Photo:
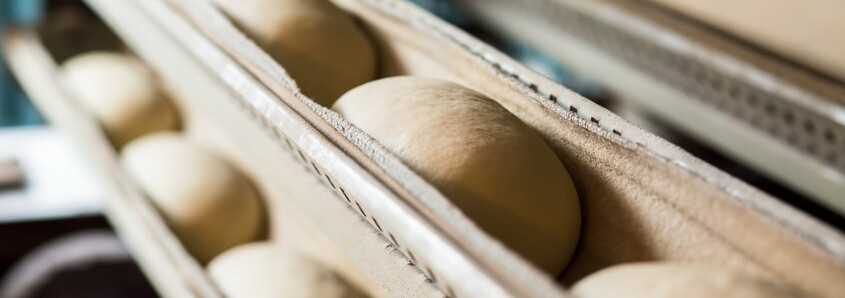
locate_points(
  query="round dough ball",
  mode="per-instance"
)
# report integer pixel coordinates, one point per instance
(208, 204)
(121, 93)
(319, 44)
(261, 269)
(665, 280)
(495, 168)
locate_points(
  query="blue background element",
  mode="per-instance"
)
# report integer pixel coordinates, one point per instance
(15, 108)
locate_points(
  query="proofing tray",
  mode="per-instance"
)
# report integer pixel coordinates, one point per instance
(642, 198)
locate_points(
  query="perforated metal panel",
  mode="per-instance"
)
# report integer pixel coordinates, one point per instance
(767, 108)
(803, 120)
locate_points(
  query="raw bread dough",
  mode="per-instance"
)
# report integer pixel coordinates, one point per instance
(319, 44)
(483, 158)
(262, 269)
(669, 280)
(121, 93)
(208, 204)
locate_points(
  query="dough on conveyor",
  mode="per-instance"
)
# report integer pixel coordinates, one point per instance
(121, 93)
(489, 163)
(669, 280)
(317, 43)
(262, 269)
(206, 201)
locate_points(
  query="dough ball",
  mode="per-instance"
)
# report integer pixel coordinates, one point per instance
(669, 280)
(206, 202)
(121, 93)
(318, 44)
(495, 168)
(262, 269)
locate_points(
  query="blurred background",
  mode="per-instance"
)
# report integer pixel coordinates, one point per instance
(756, 104)
(54, 240)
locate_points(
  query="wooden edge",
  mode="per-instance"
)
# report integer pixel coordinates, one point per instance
(161, 256)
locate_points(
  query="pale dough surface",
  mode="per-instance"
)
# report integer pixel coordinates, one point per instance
(266, 270)
(121, 93)
(669, 280)
(208, 204)
(319, 44)
(483, 158)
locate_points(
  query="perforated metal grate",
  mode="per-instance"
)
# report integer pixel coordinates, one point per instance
(769, 111)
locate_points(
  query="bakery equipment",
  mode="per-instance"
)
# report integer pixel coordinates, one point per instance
(334, 190)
